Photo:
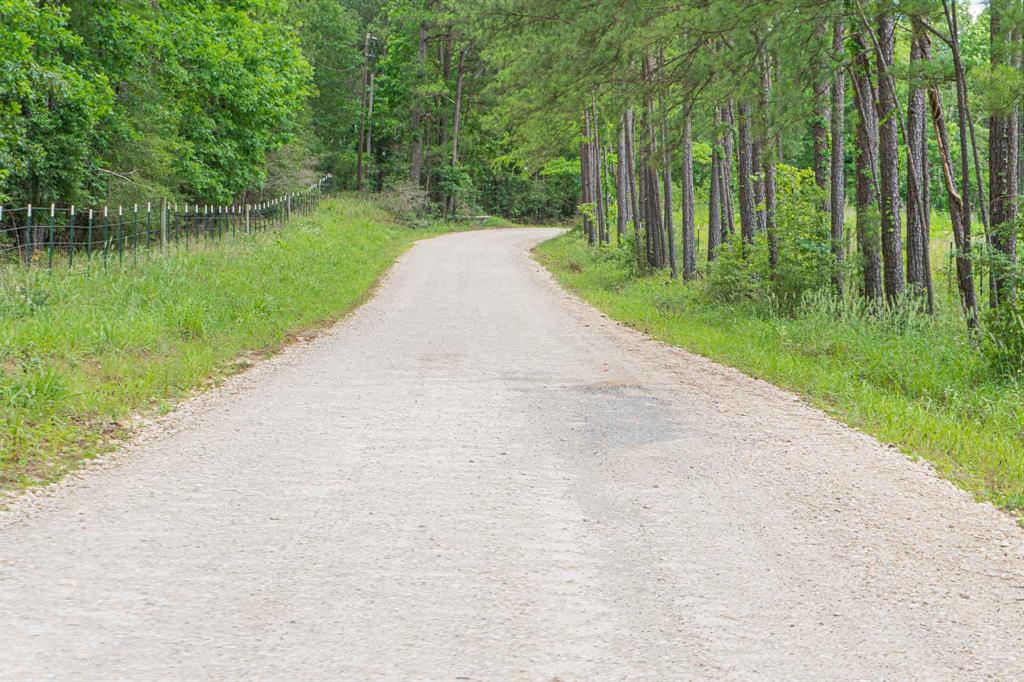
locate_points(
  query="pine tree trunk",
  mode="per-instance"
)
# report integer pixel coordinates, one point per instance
(918, 206)
(602, 215)
(621, 199)
(416, 152)
(725, 190)
(670, 228)
(585, 183)
(631, 181)
(756, 155)
(714, 202)
(964, 270)
(965, 165)
(837, 203)
(689, 205)
(867, 194)
(1003, 150)
(457, 125)
(745, 170)
(820, 124)
(889, 158)
(768, 152)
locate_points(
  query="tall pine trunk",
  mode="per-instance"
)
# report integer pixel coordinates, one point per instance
(621, 193)
(964, 270)
(963, 126)
(598, 190)
(889, 156)
(745, 171)
(919, 277)
(456, 125)
(725, 189)
(631, 181)
(820, 123)
(586, 185)
(866, 169)
(416, 152)
(714, 194)
(1003, 150)
(768, 154)
(837, 198)
(689, 223)
(666, 173)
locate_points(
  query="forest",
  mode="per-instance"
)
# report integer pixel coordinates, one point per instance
(866, 152)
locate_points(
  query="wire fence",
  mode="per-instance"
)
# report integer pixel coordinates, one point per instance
(34, 236)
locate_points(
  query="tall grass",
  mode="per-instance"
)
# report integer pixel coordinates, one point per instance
(910, 379)
(84, 349)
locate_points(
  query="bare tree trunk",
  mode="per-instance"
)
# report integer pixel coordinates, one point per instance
(964, 273)
(867, 193)
(821, 121)
(745, 170)
(689, 205)
(837, 203)
(725, 190)
(888, 157)
(963, 114)
(756, 155)
(670, 228)
(656, 234)
(714, 194)
(666, 173)
(1003, 150)
(599, 205)
(586, 185)
(416, 162)
(362, 113)
(918, 205)
(631, 180)
(457, 123)
(621, 201)
(768, 152)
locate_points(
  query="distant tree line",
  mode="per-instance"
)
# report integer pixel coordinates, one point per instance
(109, 101)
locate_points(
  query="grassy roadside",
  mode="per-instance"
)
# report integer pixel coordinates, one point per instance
(84, 350)
(916, 383)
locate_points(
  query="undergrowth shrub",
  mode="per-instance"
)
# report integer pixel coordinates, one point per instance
(1003, 340)
(805, 264)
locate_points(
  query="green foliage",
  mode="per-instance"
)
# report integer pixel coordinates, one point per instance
(1003, 342)
(50, 106)
(805, 264)
(110, 100)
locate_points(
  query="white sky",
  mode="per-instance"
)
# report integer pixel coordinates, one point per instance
(976, 7)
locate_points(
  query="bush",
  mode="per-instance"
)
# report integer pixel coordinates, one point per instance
(1003, 341)
(805, 264)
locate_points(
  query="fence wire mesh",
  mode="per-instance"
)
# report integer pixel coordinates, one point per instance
(47, 236)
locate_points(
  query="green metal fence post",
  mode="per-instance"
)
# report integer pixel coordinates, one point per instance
(163, 223)
(49, 261)
(106, 234)
(120, 234)
(31, 235)
(88, 238)
(71, 237)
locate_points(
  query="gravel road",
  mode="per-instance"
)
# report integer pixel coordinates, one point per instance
(478, 477)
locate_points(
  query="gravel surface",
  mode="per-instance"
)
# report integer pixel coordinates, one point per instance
(478, 477)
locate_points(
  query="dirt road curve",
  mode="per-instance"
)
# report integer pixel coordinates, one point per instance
(477, 477)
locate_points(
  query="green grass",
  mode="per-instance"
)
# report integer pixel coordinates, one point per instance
(85, 350)
(914, 381)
